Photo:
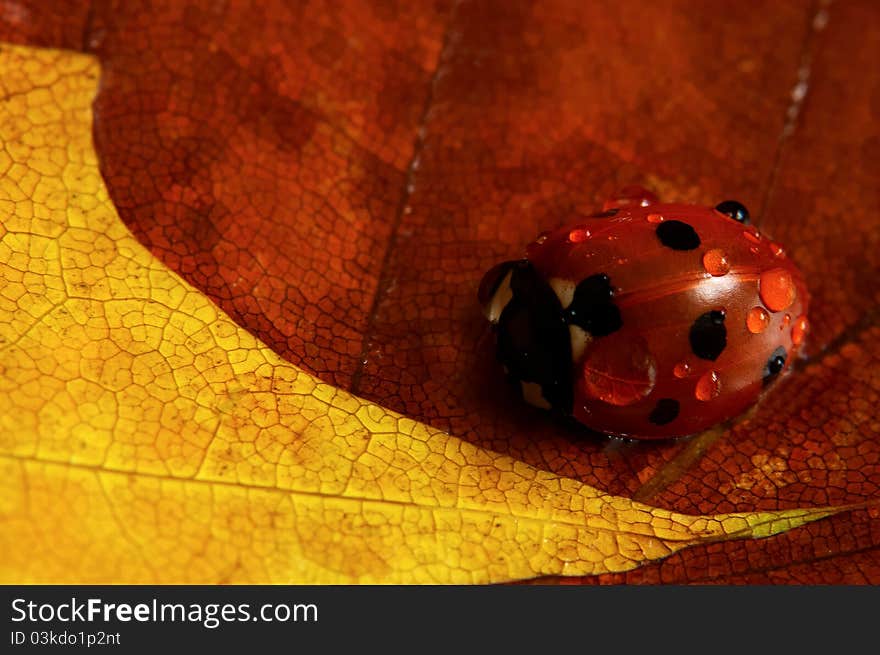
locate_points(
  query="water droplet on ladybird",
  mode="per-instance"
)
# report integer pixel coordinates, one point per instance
(754, 237)
(708, 386)
(578, 235)
(619, 375)
(681, 370)
(786, 321)
(777, 250)
(754, 250)
(776, 289)
(542, 238)
(757, 320)
(633, 196)
(622, 261)
(715, 262)
(800, 329)
(655, 218)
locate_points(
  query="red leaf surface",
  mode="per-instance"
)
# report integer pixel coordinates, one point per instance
(338, 178)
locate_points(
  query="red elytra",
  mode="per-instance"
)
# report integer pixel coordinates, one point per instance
(647, 327)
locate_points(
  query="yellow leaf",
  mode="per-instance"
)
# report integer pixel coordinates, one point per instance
(147, 438)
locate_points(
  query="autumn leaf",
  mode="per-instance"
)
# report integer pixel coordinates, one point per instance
(338, 180)
(148, 438)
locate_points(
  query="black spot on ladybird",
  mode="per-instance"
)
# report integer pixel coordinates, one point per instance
(533, 342)
(774, 366)
(708, 336)
(592, 307)
(666, 411)
(678, 235)
(736, 210)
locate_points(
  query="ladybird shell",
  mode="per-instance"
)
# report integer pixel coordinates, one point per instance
(633, 301)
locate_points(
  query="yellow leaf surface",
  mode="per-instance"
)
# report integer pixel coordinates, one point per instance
(146, 438)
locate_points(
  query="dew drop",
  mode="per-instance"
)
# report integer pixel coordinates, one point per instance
(777, 250)
(632, 196)
(776, 289)
(715, 262)
(757, 320)
(754, 250)
(800, 329)
(620, 373)
(578, 235)
(786, 321)
(708, 386)
(681, 370)
(754, 237)
(542, 238)
(655, 218)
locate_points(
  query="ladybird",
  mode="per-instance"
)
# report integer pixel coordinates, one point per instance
(648, 320)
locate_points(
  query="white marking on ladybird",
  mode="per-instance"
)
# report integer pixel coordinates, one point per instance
(580, 339)
(564, 290)
(533, 395)
(503, 295)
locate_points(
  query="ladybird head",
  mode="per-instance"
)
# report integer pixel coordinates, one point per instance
(532, 339)
(494, 292)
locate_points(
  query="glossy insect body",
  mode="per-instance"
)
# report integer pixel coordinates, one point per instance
(648, 320)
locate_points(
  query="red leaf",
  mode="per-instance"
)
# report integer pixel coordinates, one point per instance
(339, 179)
